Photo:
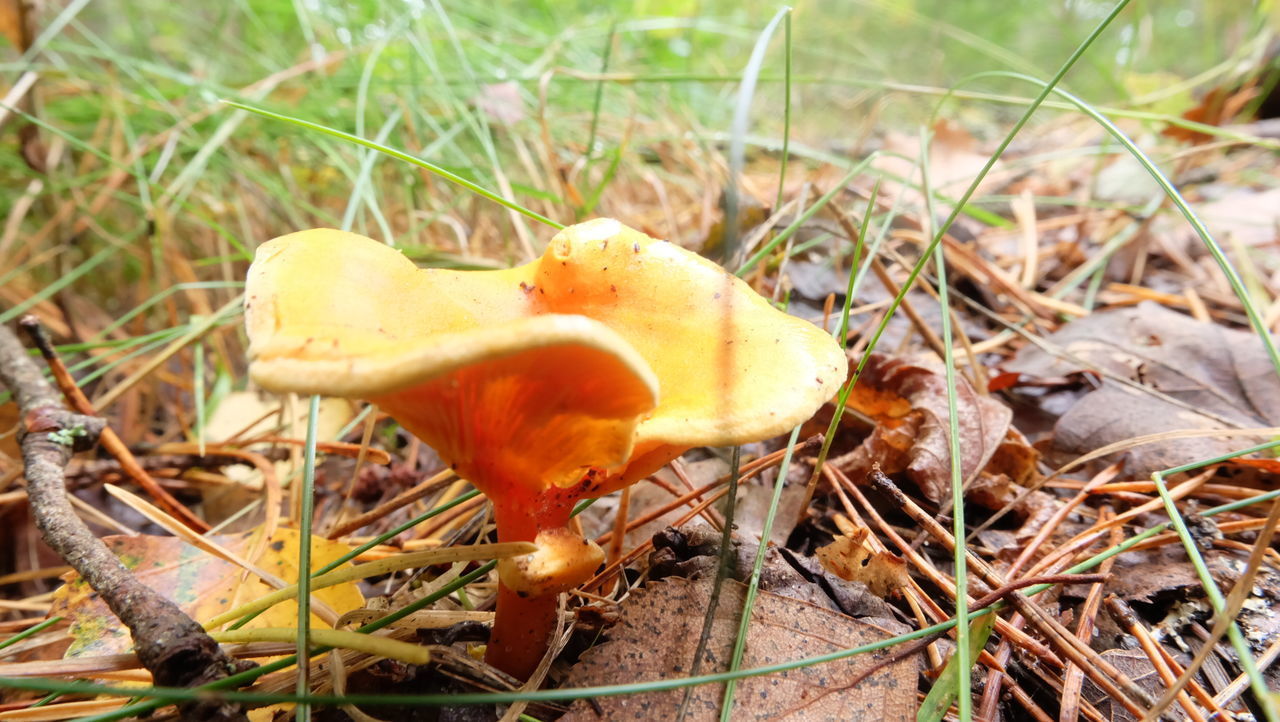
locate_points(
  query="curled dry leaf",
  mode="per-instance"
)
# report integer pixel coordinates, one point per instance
(908, 402)
(849, 558)
(1196, 375)
(658, 633)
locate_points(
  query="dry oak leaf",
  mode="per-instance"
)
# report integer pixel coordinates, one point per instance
(1197, 375)
(908, 402)
(201, 584)
(658, 632)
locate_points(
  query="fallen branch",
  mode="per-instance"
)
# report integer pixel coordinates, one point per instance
(173, 647)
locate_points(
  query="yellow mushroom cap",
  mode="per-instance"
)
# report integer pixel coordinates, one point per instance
(613, 350)
(455, 356)
(567, 377)
(731, 368)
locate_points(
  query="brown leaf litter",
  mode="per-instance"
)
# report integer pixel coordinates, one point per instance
(1161, 371)
(658, 632)
(908, 402)
(849, 558)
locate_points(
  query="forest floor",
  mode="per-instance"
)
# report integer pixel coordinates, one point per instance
(1047, 240)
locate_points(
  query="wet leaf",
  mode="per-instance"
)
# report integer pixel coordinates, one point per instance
(658, 633)
(1217, 374)
(202, 585)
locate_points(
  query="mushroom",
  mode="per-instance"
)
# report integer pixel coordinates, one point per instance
(566, 378)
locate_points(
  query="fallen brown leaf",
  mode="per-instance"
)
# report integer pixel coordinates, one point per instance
(909, 405)
(1136, 664)
(1197, 376)
(658, 633)
(1220, 106)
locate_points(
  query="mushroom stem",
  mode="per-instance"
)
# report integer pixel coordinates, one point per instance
(521, 632)
(523, 622)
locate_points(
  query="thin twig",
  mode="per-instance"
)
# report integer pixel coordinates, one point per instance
(1073, 676)
(427, 486)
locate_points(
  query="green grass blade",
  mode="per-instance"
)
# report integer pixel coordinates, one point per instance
(30, 632)
(738, 132)
(722, 572)
(76, 273)
(947, 686)
(363, 186)
(166, 695)
(401, 155)
(242, 678)
(810, 212)
(1244, 654)
(928, 252)
(753, 584)
(306, 511)
(962, 660)
(786, 113)
(197, 390)
(605, 55)
(1192, 218)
